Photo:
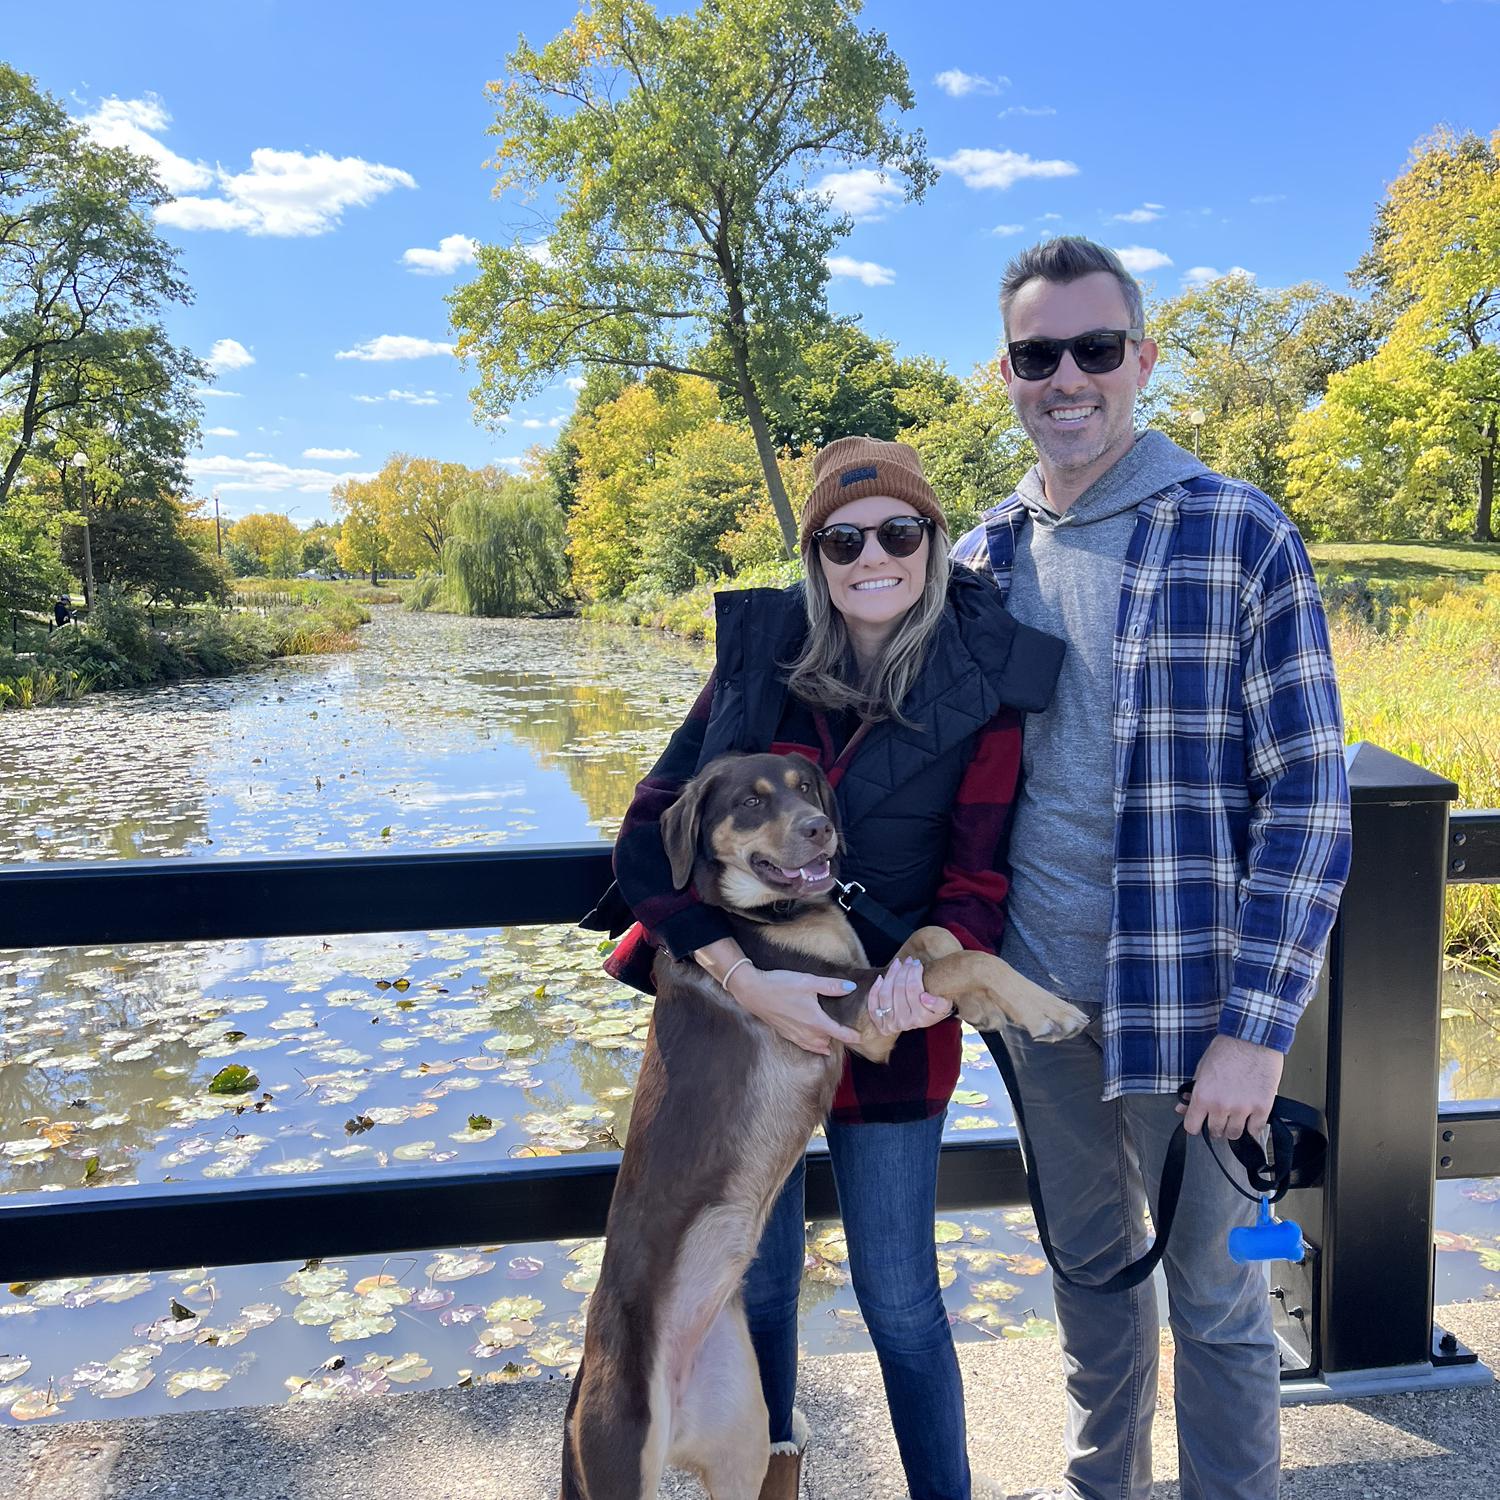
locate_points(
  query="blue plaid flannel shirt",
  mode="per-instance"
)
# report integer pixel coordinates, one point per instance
(1231, 799)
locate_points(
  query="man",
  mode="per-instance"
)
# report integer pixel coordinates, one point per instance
(1179, 846)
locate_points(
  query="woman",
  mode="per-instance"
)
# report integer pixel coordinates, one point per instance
(904, 682)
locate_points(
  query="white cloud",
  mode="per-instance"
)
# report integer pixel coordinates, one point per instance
(540, 252)
(1004, 229)
(863, 194)
(1027, 111)
(253, 454)
(220, 432)
(287, 193)
(394, 346)
(1269, 198)
(1200, 276)
(135, 124)
(983, 168)
(575, 382)
(1047, 218)
(956, 83)
(532, 422)
(1147, 213)
(1138, 259)
(329, 453)
(866, 271)
(412, 398)
(214, 391)
(229, 354)
(258, 473)
(453, 251)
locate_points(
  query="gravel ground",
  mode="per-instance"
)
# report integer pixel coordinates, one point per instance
(500, 1443)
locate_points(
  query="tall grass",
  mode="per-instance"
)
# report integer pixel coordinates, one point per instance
(1422, 679)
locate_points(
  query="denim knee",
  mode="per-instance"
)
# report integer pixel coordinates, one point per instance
(912, 1324)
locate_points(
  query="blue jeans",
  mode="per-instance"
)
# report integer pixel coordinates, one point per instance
(887, 1186)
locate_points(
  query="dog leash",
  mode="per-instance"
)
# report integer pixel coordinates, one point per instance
(854, 898)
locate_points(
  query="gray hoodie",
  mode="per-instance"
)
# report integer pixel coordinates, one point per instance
(1067, 581)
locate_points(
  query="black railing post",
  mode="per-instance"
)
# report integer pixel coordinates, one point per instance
(1373, 1294)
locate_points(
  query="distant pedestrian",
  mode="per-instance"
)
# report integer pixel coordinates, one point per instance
(62, 612)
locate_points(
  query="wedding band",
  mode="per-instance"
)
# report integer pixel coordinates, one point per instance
(882, 1011)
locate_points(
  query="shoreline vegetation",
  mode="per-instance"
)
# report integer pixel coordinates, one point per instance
(123, 645)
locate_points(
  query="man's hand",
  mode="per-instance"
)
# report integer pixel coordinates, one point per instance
(1233, 1089)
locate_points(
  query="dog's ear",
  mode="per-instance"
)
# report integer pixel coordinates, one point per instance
(679, 828)
(821, 787)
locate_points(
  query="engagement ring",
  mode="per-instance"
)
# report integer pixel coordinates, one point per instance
(882, 1010)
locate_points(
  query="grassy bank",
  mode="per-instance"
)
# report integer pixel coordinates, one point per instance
(118, 647)
(690, 615)
(271, 593)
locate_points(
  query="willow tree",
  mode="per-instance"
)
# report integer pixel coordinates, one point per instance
(685, 235)
(504, 550)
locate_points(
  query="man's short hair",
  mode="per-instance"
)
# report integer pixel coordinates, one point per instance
(1069, 257)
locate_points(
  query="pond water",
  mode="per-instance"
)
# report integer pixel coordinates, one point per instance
(393, 1048)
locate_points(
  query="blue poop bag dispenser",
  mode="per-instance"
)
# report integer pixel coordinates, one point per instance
(1268, 1238)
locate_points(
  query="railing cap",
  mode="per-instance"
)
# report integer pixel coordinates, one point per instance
(1377, 775)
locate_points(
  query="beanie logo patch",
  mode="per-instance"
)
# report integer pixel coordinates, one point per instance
(853, 476)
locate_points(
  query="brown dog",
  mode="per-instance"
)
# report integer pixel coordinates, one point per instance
(723, 1109)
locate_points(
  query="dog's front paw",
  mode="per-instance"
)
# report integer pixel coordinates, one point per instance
(1054, 1020)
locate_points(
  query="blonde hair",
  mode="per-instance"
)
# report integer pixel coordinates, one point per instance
(818, 675)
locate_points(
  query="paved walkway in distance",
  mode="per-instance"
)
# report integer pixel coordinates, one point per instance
(501, 1442)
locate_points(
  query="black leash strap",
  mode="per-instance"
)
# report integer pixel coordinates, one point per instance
(1161, 1217)
(854, 898)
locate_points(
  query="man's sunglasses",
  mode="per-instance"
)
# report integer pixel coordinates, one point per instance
(1094, 353)
(843, 542)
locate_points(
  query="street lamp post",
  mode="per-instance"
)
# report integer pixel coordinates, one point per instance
(1197, 416)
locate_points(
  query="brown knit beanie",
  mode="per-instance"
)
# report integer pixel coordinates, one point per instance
(850, 468)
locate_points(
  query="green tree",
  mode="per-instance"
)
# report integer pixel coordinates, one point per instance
(83, 274)
(681, 148)
(504, 551)
(363, 544)
(319, 547)
(694, 498)
(140, 543)
(973, 450)
(1421, 418)
(272, 539)
(619, 448)
(1247, 360)
(415, 497)
(844, 383)
(31, 573)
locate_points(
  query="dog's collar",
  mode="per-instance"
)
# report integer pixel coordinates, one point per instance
(778, 911)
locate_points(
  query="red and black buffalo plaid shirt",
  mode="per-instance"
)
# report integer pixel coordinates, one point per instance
(970, 899)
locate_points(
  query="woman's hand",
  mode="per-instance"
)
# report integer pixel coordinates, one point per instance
(788, 1003)
(899, 1003)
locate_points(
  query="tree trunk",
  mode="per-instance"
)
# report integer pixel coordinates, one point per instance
(738, 334)
(1483, 518)
(374, 575)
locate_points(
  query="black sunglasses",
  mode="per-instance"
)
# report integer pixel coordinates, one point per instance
(1095, 353)
(900, 536)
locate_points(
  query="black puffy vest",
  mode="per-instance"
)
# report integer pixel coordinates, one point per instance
(896, 796)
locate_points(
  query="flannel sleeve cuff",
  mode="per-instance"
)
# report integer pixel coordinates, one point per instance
(1255, 1016)
(695, 927)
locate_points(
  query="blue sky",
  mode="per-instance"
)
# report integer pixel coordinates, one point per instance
(313, 146)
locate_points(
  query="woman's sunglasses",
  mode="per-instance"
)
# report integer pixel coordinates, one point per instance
(843, 542)
(1094, 353)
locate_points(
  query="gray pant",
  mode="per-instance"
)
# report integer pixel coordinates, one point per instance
(1091, 1158)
